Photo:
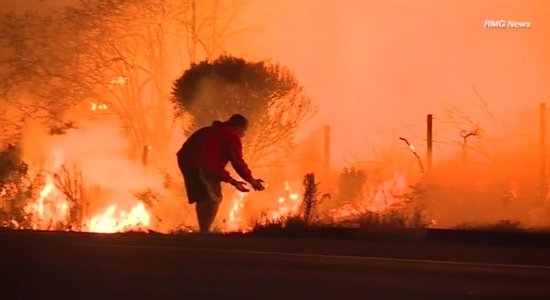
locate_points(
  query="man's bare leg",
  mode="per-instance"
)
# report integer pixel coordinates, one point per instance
(206, 213)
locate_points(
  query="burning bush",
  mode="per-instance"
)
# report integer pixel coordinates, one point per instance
(70, 182)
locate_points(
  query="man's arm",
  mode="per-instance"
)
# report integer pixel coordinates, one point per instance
(226, 177)
(236, 159)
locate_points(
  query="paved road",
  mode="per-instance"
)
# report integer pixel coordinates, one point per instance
(39, 265)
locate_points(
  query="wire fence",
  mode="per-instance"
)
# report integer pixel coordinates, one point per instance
(484, 137)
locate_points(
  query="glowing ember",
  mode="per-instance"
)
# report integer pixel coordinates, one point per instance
(120, 80)
(98, 106)
(412, 148)
(284, 207)
(138, 219)
(287, 206)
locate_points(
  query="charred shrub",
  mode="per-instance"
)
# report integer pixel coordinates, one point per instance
(310, 197)
(15, 188)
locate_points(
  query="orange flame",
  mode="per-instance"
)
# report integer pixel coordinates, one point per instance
(138, 219)
(234, 223)
(287, 206)
(51, 208)
(98, 106)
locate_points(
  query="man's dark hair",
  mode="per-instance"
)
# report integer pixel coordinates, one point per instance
(237, 121)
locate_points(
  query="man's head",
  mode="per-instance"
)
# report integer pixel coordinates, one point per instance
(238, 123)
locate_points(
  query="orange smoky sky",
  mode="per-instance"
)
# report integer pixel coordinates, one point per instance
(376, 66)
(33, 4)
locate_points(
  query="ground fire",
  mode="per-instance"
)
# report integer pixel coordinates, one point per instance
(93, 107)
(51, 210)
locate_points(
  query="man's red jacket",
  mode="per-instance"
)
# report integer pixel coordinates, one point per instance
(211, 148)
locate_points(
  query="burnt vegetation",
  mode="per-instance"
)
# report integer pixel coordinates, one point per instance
(16, 188)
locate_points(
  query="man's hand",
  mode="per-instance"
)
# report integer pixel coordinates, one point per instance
(257, 184)
(240, 185)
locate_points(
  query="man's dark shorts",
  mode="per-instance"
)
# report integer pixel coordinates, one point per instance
(201, 185)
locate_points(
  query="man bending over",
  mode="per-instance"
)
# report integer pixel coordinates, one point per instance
(202, 160)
